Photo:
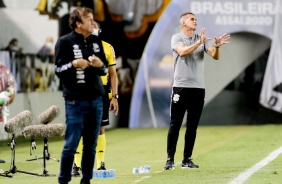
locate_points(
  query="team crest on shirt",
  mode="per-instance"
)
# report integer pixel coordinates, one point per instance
(175, 98)
(96, 47)
(75, 47)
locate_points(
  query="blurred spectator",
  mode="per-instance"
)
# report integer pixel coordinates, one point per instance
(17, 59)
(47, 50)
(46, 55)
(13, 47)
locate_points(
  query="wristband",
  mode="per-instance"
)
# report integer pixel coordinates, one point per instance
(216, 46)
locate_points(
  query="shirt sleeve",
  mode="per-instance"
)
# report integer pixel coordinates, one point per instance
(208, 44)
(176, 41)
(63, 58)
(112, 56)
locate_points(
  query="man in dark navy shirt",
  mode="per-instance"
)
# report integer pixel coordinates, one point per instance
(79, 63)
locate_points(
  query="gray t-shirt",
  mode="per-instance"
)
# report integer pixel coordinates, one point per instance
(189, 69)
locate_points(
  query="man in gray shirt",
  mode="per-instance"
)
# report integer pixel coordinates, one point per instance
(188, 93)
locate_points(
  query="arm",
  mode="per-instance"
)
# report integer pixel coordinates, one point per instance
(214, 51)
(9, 84)
(113, 80)
(65, 63)
(63, 59)
(114, 87)
(187, 50)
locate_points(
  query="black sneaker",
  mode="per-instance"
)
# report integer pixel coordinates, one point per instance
(102, 167)
(187, 163)
(2, 161)
(75, 171)
(169, 164)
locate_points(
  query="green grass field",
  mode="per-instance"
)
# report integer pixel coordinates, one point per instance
(222, 152)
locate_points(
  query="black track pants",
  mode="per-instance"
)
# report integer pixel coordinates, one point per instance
(182, 100)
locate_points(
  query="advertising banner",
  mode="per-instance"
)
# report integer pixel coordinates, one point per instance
(271, 93)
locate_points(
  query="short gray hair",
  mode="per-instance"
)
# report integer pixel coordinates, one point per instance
(183, 17)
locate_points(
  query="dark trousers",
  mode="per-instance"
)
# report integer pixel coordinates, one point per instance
(83, 118)
(182, 100)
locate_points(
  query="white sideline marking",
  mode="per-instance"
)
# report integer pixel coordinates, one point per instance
(247, 173)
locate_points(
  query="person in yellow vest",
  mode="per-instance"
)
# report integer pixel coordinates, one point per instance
(110, 101)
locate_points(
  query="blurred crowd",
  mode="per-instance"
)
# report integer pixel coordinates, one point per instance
(33, 71)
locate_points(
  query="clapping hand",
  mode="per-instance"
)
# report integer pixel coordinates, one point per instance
(203, 38)
(223, 39)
